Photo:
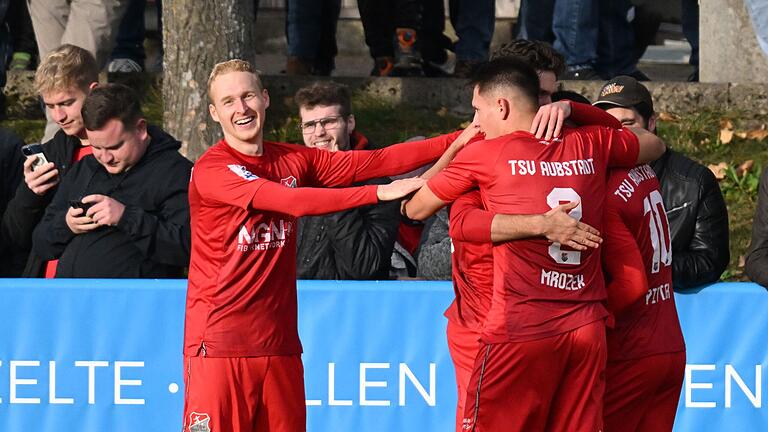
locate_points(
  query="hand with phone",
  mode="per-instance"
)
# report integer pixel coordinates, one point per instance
(77, 220)
(39, 174)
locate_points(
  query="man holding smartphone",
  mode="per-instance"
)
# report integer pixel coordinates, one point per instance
(63, 80)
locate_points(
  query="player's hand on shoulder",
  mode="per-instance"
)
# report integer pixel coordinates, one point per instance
(398, 188)
(561, 228)
(548, 122)
(41, 179)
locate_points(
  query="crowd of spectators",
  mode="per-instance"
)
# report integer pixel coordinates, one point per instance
(73, 210)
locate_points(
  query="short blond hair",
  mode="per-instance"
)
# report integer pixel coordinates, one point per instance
(66, 67)
(234, 65)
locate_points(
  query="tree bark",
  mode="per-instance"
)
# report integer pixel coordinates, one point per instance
(197, 34)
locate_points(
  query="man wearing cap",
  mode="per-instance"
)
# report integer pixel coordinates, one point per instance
(698, 217)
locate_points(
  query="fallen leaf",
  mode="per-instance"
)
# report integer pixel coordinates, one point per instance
(726, 135)
(742, 261)
(442, 112)
(726, 124)
(741, 134)
(664, 116)
(758, 134)
(718, 170)
(744, 167)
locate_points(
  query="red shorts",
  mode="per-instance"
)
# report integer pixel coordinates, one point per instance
(243, 394)
(463, 344)
(642, 394)
(552, 384)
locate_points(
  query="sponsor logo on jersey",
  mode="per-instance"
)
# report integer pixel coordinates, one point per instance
(611, 89)
(242, 172)
(289, 181)
(199, 422)
(263, 236)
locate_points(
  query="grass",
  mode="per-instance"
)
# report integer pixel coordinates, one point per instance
(697, 135)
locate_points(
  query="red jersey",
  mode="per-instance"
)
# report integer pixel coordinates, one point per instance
(472, 268)
(541, 289)
(241, 300)
(636, 231)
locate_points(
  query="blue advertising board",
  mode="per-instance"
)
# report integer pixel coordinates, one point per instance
(105, 355)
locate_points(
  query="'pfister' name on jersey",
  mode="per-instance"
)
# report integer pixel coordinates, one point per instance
(576, 167)
(263, 236)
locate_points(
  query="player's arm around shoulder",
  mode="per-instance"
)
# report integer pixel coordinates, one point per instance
(651, 147)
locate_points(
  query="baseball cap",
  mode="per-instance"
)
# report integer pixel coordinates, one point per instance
(624, 91)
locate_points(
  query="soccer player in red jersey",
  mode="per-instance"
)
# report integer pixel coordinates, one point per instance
(472, 229)
(646, 350)
(545, 338)
(243, 369)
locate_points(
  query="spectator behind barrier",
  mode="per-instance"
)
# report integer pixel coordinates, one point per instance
(351, 244)
(756, 266)
(63, 80)
(11, 259)
(123, 211)
(698, 217)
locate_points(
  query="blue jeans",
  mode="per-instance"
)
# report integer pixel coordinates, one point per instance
(130, 35)
(595, 33)
(474, 23)
(535, 20)
(310, 26)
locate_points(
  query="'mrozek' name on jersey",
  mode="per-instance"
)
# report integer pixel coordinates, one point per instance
(263, 236)
(563, 281)
(576, 167)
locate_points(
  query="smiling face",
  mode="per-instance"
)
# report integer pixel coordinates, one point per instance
(326, 128)
(116, 148)
(238, 105)
(64, 108)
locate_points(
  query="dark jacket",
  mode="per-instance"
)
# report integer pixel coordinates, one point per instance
(26, 209)
(355, 244)
(698, 220)
(11, 174)
(756, 265)
(151, 240)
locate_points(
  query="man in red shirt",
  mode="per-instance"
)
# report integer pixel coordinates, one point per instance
(547, 297)
(646, 350)
(241, 345)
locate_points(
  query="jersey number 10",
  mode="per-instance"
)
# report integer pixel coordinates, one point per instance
(658, 225)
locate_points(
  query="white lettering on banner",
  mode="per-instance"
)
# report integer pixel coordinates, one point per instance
(119, 382)
(15, 364)
(405, 373)
(430, 398)
(17, 371)
(364, 384)
(52, 399)
(332, 388)
(731, 374)
(755, 398)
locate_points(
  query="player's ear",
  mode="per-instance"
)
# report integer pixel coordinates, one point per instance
(503, 108)
(214, 114)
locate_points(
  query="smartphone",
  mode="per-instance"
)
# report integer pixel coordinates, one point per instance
(79, 204)
(35, 150)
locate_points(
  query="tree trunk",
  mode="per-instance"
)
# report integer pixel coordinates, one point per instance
(197, 34)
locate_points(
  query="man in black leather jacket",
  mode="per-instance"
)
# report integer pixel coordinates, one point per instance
(696, 210)
(351, 244)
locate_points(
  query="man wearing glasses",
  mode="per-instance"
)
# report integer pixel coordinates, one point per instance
(353, 244)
